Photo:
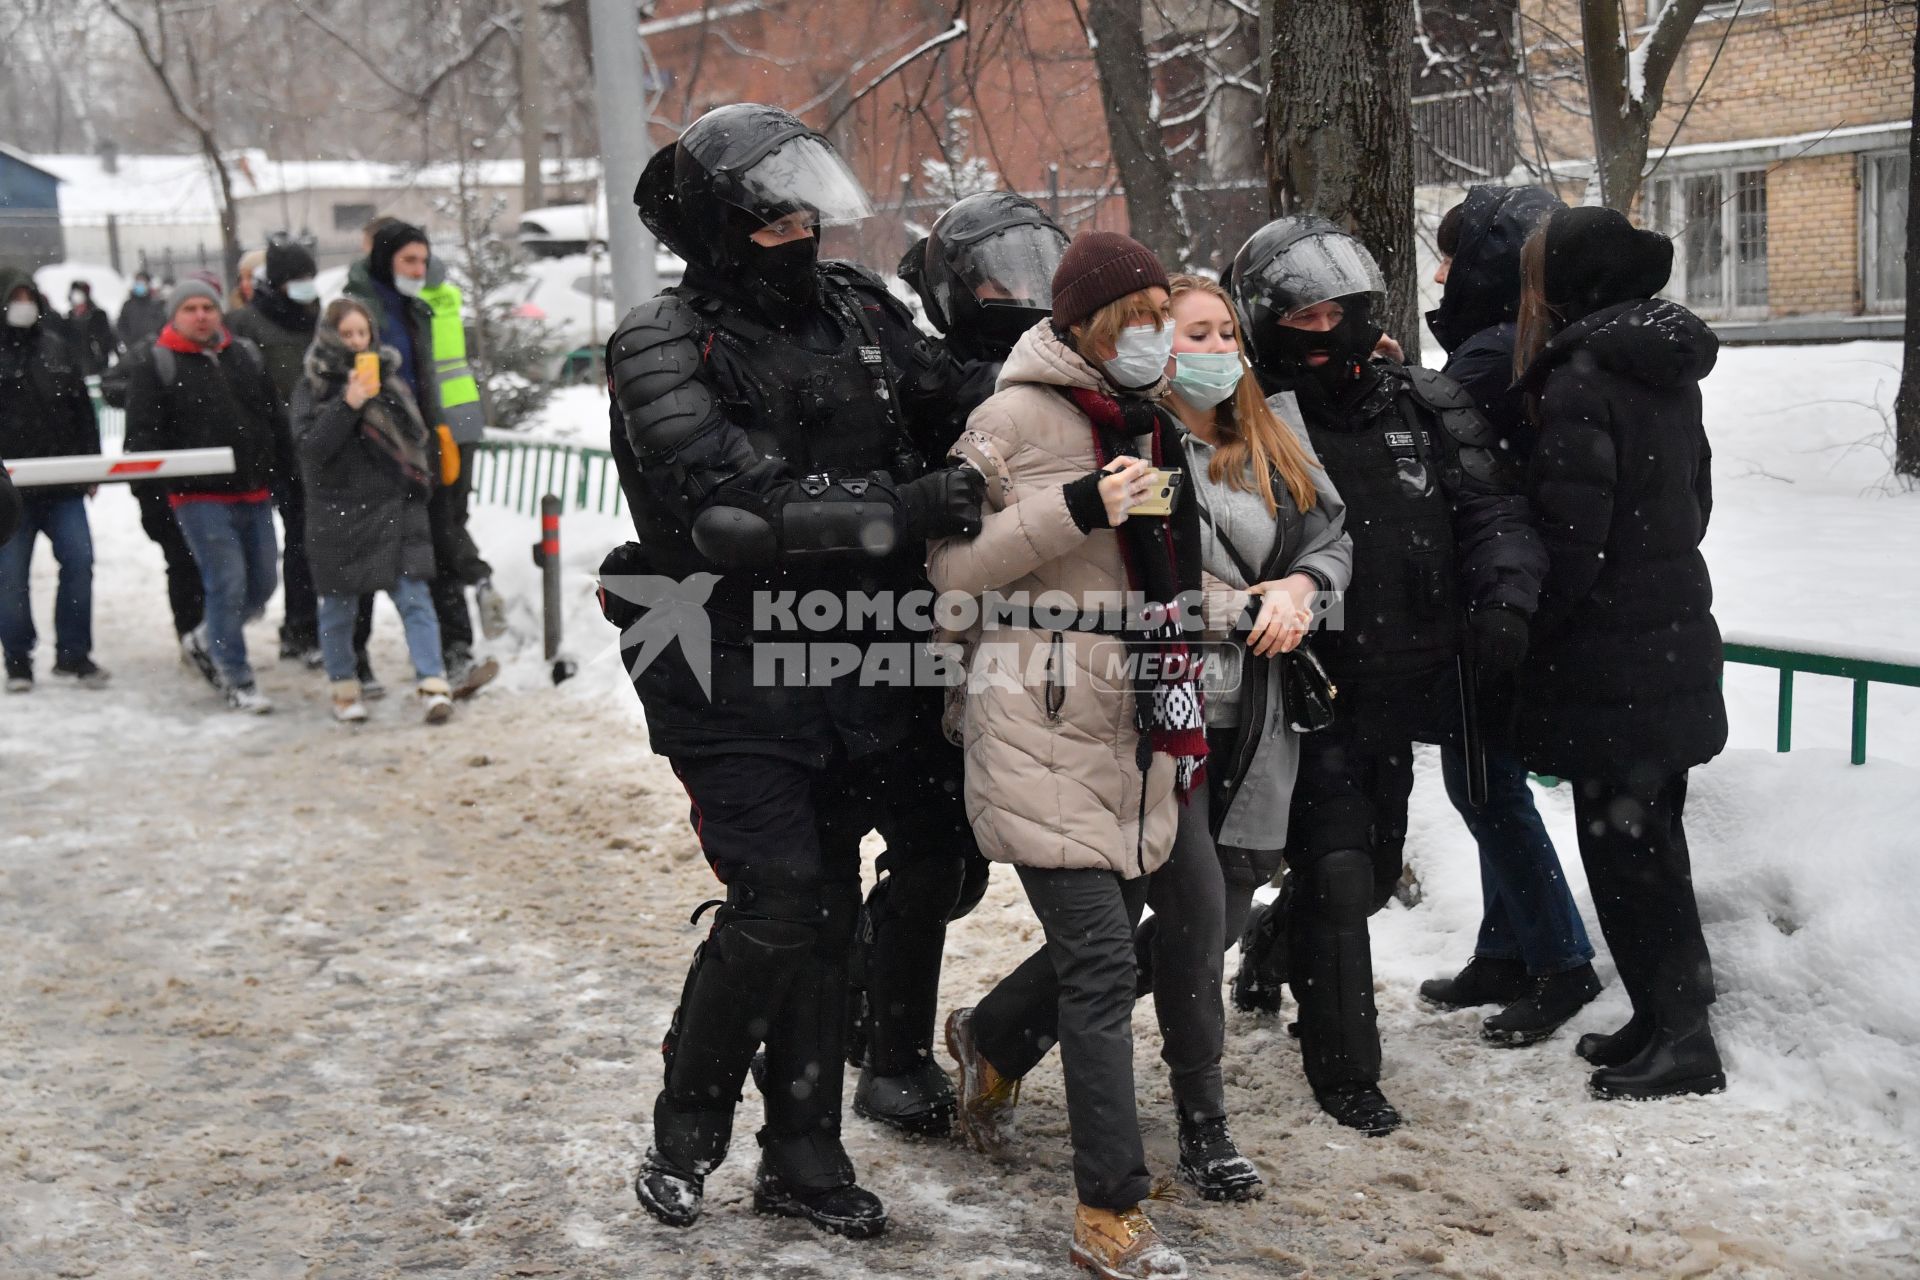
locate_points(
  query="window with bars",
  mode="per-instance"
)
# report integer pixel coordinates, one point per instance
(1883, 229)
(1718, 222)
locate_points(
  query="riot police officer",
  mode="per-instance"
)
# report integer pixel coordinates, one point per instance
(1443, 548)
(985, 276)
(768, 425)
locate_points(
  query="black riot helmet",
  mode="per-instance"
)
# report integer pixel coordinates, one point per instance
(987, 274)
(1294, 263)
(736, 169)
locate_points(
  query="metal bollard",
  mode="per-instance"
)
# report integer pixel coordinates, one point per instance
(546, 554)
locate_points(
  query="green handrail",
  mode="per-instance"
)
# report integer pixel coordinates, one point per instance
(1864, 669)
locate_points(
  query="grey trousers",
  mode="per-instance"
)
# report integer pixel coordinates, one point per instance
(1079, 990)
(1200, 902)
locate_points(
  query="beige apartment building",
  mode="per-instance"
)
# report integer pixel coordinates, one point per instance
(1779, 163)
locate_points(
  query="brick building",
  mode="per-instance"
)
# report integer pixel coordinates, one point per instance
(1785, 187)
(1012, 102)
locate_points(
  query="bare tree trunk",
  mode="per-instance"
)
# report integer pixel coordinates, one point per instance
(1906, 406)
(533, 115)
(1340, 133)
(1625, 88)
(1126, 94)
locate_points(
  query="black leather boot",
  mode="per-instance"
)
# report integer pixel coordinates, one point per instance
(1675, 1061)
(1612, 1049)
(1360, 1106)
(1211, 1162)
(1482, 981)
(1545, 1008)
(1260, 982)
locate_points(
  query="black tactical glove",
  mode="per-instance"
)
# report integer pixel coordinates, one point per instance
(1499, 639)
(945, 503)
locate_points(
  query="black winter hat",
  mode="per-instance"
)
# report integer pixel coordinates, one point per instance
(1101, 267)
(1596, 258)
(288, 261)
(389, 240)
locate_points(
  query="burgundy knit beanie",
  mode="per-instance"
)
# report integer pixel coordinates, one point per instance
(1101, 267)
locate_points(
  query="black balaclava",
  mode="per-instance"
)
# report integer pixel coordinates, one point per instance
(1348, 345)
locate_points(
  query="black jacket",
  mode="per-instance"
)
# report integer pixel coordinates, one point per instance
(282, 329)
(93, 340)
(224, 399)
(1438, 520)
(140, 320)
(1474, 322)
(1625, 669)
(718, 410)
(366, 522)
(9, 504)
(44, 408)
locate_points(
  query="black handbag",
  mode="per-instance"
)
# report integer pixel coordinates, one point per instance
(1305, 687)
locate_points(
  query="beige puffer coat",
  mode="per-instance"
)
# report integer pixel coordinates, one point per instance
(1048, 723)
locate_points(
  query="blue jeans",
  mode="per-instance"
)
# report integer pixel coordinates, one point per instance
(414, 599)
(64, 521)
(1527, 912)
(233, 544)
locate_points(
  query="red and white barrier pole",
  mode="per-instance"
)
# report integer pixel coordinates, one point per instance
(111, 468)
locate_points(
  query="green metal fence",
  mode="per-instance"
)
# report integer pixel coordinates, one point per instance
(515, 473)
(1860, 666)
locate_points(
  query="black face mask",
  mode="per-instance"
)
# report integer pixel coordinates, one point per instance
(786, 270)
(989, 332)
(1348, 346)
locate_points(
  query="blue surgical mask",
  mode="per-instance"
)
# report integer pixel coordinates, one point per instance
(1140, 356)
(303, 291)
(139, 290)
(1205, 378)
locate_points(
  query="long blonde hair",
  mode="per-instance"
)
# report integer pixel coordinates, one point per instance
(1255, 442)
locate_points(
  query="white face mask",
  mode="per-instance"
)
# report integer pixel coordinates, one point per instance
(23, 314)
(409, 286)
(303, 291)
(1140, 355)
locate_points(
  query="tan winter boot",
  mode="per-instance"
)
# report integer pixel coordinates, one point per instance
(436, 699)
(986, 1098)
(1122, 1246)
(347, 706)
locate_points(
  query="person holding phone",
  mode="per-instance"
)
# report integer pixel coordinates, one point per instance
(367, 461)
(1076, 766)
(1273, 543)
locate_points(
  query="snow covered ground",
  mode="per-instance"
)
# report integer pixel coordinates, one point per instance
(284, 999)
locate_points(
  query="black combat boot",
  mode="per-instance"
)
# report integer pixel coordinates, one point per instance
(1482, 981)
(1213, 1164)
(1554, 999)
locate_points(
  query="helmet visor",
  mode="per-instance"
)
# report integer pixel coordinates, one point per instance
(803, 175)
(1013, 267)
(1313, 270)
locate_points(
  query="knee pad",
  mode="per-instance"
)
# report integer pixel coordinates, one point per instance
(1339, 887)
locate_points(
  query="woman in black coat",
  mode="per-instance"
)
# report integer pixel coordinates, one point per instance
(367, 462)
(1621, 692)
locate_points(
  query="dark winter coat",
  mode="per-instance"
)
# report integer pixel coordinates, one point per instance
(44, 408)
(141, 319)
(282, 329)
(1624, 673)
(366, 520)
(92, 339)
(216, 398)
(1474, 322)
(400, 321)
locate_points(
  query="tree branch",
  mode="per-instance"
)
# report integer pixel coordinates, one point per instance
(1663, 45)
(956, 28)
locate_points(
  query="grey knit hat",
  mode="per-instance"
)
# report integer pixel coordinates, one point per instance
(190, 288)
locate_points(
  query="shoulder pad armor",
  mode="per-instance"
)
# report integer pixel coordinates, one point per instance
(862, 281)
(653, 364)
(1435, 389)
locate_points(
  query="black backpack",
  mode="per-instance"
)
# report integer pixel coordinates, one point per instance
(113, 383)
